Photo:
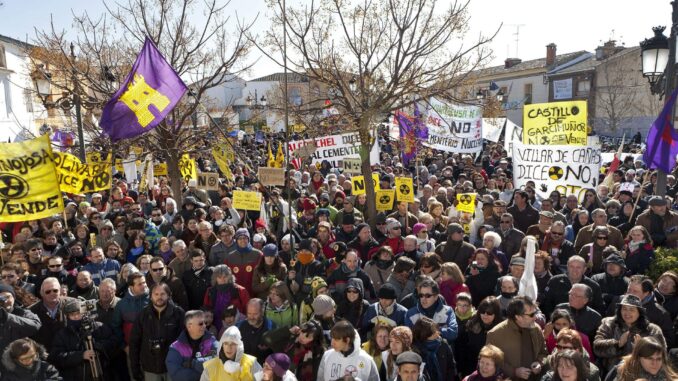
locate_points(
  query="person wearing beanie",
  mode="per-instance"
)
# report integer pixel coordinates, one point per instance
(380, 267)
(385, 309)
(339, 197)
(364, 243)
(232, 363)
(15, 321)
(613, 282)
(324, 203)
(345, 231)
(243, 259)
(276, 368)
(324, 313)
(268, 271)
(455, 249)
(325, 236)
(321, 215)
(308, 218)
(400, 339)
(302, 270)
(318, 287)
(425, 244)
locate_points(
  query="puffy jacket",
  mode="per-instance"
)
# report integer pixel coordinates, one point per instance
(182, 364)
(285, 316)
(443, 316)
(41, 370)
(69, 345)
(108, 268)
(243, 264)
(151, 337)
(20, 323)
(606, 344)
(126, 312)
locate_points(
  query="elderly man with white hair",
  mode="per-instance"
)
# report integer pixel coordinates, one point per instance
(50, 311)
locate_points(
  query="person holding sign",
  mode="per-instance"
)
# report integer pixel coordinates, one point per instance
(405, 218)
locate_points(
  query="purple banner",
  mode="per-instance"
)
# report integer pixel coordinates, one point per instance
(150, 92)
(662, 140)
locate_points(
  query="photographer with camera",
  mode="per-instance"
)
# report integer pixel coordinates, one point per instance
(192, 349)
(158, 326)
(15, 322)
(80, 349)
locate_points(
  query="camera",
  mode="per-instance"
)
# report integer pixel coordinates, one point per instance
(474, 265)
(88, 306)
(156, 345)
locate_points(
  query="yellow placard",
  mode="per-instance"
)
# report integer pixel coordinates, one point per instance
(466, 202)
(358, 184)
(404, 189)
(160, 169)
(29, 189)
(384, 199)
(298, 128)
(246, 200)
(187, 168)
(223, 154)
(555, 123)
(75, 177)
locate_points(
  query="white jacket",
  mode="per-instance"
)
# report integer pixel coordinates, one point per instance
(289, 376)
(358, 364)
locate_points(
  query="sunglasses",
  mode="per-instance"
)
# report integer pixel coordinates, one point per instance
(54, 266)
(426, 296)
(488, 313)
(556, 233)
(504, 222)
(352, 291)
(602, 238)
(533, 314)
(8, 276)
(54, 291)
(157, 270)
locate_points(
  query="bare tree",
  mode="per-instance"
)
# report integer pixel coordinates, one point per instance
(192, 35)
(617, 94)
(375, 56)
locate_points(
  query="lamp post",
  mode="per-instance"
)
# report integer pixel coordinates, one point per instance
(42, 80)
(256, 103)
(658, 64)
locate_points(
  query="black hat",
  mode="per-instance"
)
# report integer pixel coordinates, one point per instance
(305, 244)
(71, 305)
(348, 219)
(657, 201)
(454, 228)
(616, 259)
(381, 218)
(387, 291)
(7, 288)
(408, 357)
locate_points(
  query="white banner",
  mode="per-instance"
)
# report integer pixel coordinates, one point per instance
(492, 128)
(512, 133)
(454, 128)
(335, 148)
(567, 169)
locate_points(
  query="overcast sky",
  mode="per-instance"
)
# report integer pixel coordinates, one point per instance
(572, 25)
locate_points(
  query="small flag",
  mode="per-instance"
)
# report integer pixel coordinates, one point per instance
(146, 97)
(421, 131)
(493, 86)
(409, 146)
(662, 140)
(279, 156)
(271, 160)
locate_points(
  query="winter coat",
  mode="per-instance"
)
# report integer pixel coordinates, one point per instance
(667, 235)
(89, 293)
(586, 319)
(658, 315)
(126, 312)
(338, 281)
(483, 284)
(182, 364)
(510, 241)
(523, 219)
(446, 368)
(286, 315)
(243, 264)
(467, 346)
(69, 345)
(507, 337)
(48, 326)
(443, 316)
(17, 324)
(196, 286)
(606, 343)
(638, 261)
(365, 251)
(374, 310)
(450, 289)
(261, 282)
(218, 297)
(358, 363)
(401, 290)
(218, 252)
(585, 236)
(379, 272)
(41, 370)
(457, 252)
(151, 337)
(611, 287)
(214, 370)
(108, 268)
(557, 292)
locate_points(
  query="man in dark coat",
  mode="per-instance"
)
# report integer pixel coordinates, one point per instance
(455, 249)
(159, 273)
(511, 238)
(642, 287)
(197, 280)
(524, 215)
(15, 322)
(557, 289)
(613, 283)
(586, 318)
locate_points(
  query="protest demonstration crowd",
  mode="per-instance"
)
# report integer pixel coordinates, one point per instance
(467, 258)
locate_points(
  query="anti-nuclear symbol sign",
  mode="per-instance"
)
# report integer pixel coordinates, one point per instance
(405, 189)
(555, 173)
(384, 199)
(465, 199)
(12, 186)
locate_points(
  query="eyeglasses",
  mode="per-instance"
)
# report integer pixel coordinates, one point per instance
(352, 291)
(602, 238)
(504, 222)
(533, 314)
(158, 269)
(563, 347)
(488, 313)
(54, 291)
(426, 296)
(54, 266)
(11, 276)
(156, 215)
(395, 228)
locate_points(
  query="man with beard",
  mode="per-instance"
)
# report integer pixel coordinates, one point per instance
(101, 267)
(349, 268)
(253, 328)
(84, 287)
(69, 352)
(15, 322)
(456, 249)
(660, 222)
(159, 273)
(156, 328)
(520, 339)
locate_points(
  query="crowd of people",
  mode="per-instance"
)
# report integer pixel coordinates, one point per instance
(130, 285)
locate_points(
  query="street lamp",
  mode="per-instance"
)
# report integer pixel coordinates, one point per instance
(654, 54)
(500, 96)
(480, 95)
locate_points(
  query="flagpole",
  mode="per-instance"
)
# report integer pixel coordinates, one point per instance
(287, 128)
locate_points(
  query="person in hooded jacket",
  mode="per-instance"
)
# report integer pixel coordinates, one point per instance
(69, 352)
(346, 358)
(432, 306)
(455, 249)
(613, 283)
(232, 363)
(352, 305)
(24, 359)
(350, 268)
(380, 266)
(434, 350)
(223, 293)
(302, 271)
(244, 259)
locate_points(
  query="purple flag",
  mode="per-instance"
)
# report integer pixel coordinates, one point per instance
(421, 131)
(409, 149)
(149, 93)
(662, 140)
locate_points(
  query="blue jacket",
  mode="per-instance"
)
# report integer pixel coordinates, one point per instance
(443, 315)
(109, 268)
(398, 316)
(180, 362)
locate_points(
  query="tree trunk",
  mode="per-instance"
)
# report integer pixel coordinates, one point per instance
(366, 168)
(175, 178)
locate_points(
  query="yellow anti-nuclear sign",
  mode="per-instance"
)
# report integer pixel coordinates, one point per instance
(555, 123)
(246, 200)
(187, 168)
(384, 199)
(466, 202)
(160, 169)
(404, 189)
(29, 189)
(358, 184)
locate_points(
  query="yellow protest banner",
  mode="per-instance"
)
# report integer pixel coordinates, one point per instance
(358, 184)
(246, 200)
(384, 199)
(160, 169)
(75, 177)
(187, 167)
(555, 123)
(404, 189)
(223, 154)
(466, 202)
(118, 166)
(29, 189)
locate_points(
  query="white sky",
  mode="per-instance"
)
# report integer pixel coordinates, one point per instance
(572, 25)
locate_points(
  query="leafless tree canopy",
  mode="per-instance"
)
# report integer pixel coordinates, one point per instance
(205, 47)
